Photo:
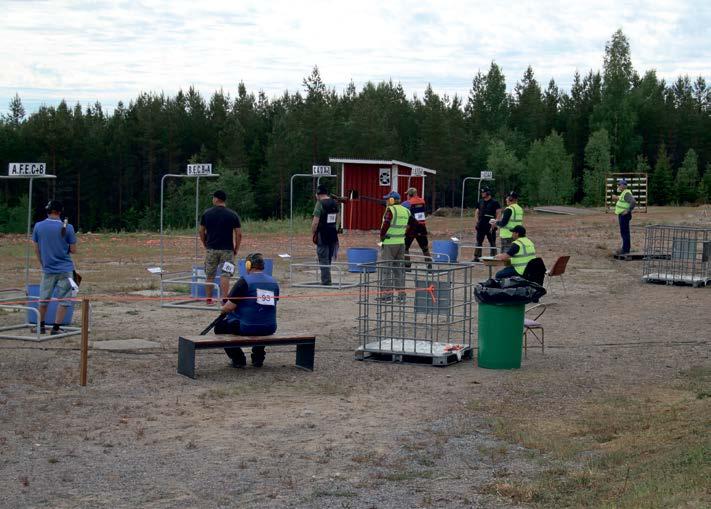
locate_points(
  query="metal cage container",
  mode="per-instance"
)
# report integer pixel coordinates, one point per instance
(419, 312)
(677, 254)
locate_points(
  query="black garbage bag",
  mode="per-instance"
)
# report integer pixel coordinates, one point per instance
(513, 290)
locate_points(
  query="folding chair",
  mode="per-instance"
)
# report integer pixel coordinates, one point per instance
(531, 325)
(558, 269)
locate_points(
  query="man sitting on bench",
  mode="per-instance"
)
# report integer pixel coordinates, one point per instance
(250, 310)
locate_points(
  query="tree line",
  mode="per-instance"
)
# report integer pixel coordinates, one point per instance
(552, 146)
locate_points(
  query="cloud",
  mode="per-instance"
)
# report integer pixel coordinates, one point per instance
(87, 51)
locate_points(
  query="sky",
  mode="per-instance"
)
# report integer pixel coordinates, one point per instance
(87, 51)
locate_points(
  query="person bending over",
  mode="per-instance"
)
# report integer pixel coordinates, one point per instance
(250, 310)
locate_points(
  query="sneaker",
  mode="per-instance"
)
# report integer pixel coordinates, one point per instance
(56, 331)
(476, 259)
(43, 330)
(258, 364)
(239, 363)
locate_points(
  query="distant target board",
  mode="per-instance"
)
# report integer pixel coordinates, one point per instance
(636, 182)
(385, 177)
(26, 169)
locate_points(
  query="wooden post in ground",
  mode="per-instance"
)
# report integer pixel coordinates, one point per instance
(84, 342)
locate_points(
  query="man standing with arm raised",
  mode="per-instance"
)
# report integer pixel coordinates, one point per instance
(54, 243)
(221, 235)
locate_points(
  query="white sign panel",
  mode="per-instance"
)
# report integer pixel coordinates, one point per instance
(200, 169)
(320, 170)
(26, 169)
(385, 177)
(486, 175)
(418, 172)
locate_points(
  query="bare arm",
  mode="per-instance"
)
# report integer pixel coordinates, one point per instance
(203, 236)
(314, 224)
(237, 236)
(37, 252)
(72, 248)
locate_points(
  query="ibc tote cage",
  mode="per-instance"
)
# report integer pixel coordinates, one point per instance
(677, 254)
(430, 320)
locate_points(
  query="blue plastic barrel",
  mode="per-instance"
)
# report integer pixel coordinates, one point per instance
(268, 266)
(445, 247)
(33, 291)
(359, 255)
(197, 285)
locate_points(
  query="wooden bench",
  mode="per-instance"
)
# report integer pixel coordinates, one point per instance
(305, 347)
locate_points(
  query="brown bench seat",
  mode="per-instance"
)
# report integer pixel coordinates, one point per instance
(305, 347)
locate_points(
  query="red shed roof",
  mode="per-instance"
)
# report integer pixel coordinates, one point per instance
(378, 161)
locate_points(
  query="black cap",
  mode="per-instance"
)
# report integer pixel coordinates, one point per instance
(220, 195)
(514, 195)
(54, 206)
(321, 189)
(519, 229)
(485, 189)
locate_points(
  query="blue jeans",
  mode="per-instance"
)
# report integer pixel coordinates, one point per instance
(624, 220)
(506, 272)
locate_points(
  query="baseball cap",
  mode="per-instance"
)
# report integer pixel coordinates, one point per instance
(54, 205)
(621, 182)
(519, 229)
(392, 194)
(412, 191)
(485, 189)
(321, 189)
(514, 195)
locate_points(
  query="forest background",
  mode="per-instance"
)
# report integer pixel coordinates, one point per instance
(552, 146)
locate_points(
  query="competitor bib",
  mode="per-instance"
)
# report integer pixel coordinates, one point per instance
(331, 218)
(265, 297)
(420, 216)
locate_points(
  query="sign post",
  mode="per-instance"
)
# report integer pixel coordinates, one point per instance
(321, 170)
(483, 175)
(29, 171)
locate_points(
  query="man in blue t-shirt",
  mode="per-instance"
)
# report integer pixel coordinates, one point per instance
(250, 310)
(54, 241)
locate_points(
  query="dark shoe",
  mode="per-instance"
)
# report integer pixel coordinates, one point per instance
(56, 331)
(258, 363)
(476, 259)
(239, 363)
(43, 330)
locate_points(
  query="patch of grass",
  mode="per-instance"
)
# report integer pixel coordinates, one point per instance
(649, 450)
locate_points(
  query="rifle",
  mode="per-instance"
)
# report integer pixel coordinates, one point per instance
(213, 323)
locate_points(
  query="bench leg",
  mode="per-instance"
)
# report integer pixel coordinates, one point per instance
(186, 358)
(305, 356)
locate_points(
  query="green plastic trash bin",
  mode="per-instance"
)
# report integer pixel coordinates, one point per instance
(500, 335)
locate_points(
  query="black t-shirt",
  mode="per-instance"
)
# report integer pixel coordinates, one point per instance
(487, 210)
(219, 223)
(239, 290)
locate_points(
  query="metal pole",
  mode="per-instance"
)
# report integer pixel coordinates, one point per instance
(83, 368)
(197, 202)
(461, 209)
(29, 239)
(162, 180)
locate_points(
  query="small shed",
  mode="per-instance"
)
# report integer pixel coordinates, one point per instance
(373, 179)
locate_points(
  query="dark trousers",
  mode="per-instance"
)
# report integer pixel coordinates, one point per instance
(236, 354)
(624, 220)
(325, 253)
(422, 241)
(485, 232)
(506, 272)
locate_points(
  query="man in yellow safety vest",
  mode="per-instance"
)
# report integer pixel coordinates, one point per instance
(392, 237)
(510, 218)
(623, 208)
(520, 253)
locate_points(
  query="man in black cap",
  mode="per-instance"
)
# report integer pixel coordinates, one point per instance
(324, 229)
(221, 235)
(54, 243)
(486, 210)
(520, 253)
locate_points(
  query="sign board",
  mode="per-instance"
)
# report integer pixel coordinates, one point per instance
(200, 169)
(417, 172)
(320, 170)
(384, 177)
(486, 175)
(26, 169)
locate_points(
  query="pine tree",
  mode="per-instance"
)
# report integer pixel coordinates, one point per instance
(597, 165)
(705, 186)
(661, 183)
(687, 178)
